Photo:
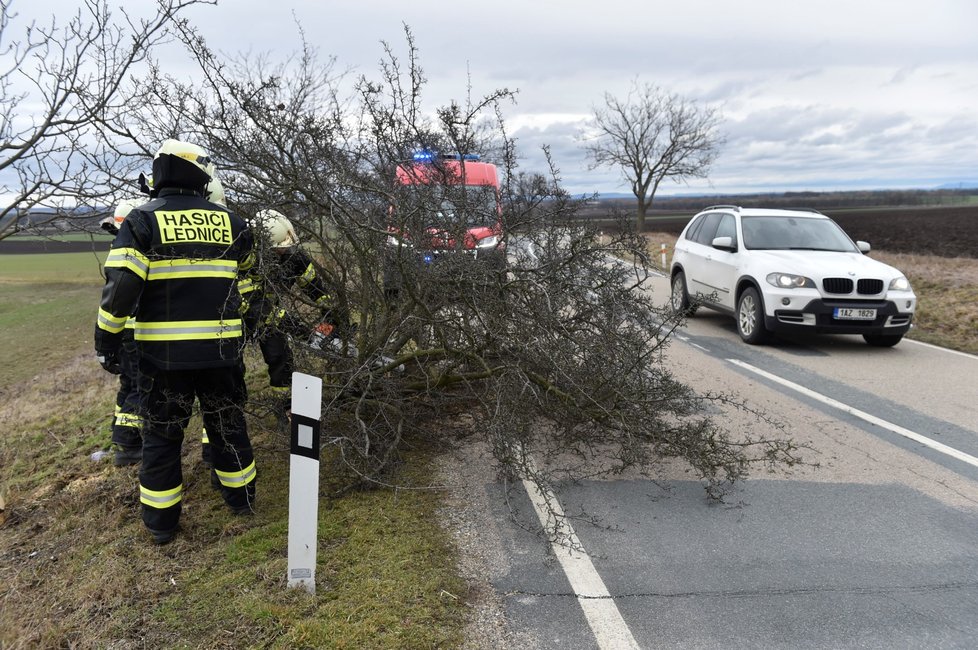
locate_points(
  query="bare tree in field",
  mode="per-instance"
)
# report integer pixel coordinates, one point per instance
(652, 136)
(59, 83)
(557, 356)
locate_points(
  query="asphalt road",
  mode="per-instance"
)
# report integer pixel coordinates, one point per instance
(877, 547)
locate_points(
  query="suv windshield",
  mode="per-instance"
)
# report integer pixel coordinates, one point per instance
(456, 206)
(795, 233)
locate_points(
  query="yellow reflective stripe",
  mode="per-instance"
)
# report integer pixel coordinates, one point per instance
(189, 268)
(203, 436)
(130, 323)
(188, 330)
(275, 317)
(280, 390)
(308, 276)
(322, 301)
(128, 258)
(128, 420)
(247, 285)
(248, 261)
(110, 323)
(237, 479)
(160, 499)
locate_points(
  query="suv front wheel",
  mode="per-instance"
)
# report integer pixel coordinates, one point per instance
(750, 317)
(679, 299)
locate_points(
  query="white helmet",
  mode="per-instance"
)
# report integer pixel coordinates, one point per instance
(113, 223)
(124, 208)
(189, 152)
(214, 192)
(280, 231)
(182, 165)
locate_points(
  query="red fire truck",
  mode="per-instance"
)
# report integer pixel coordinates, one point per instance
(447, 211)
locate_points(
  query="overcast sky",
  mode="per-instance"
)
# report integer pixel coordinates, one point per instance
(829, 94)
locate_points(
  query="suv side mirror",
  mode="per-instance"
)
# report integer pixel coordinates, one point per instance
(863, 246)
(724, 244)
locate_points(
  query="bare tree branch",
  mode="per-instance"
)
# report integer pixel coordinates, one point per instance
(651, 136)
(63, 83)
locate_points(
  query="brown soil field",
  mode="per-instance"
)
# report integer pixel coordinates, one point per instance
(15, 247)
(944, 232)
(939, 231)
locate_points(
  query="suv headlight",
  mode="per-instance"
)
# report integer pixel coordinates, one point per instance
(789, 281)
(487, 242)
(900, 284)
(392, 240)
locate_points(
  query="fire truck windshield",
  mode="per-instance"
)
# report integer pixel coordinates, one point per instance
(456, 206)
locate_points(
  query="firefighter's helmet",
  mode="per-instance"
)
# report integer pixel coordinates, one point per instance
(181, 164)
(277, 227)
(122, 210)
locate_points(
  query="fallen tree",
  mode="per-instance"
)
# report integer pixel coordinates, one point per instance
(558, 354)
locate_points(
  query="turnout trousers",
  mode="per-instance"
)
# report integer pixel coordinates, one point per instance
(128, 418)
(168, 402)
(277, 353)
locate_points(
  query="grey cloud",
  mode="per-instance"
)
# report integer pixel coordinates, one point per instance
(902, 75)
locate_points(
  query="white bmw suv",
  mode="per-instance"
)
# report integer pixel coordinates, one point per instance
(788, 270)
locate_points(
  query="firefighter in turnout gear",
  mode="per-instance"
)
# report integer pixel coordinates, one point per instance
(174, 266)
(127, 420)
(274, 274)
(214, 192)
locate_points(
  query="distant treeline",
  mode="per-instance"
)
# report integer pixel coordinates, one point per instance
(816, 200)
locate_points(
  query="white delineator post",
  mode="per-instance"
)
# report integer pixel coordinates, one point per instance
(307, 392)
(663, 249)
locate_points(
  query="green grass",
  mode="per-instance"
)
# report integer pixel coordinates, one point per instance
(98, 236)
(384, 578)
(77, 568)
(48, 305)
(52, 267)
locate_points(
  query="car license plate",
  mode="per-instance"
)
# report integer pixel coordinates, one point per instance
(847, 313)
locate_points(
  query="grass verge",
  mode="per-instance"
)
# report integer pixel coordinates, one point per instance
(77, 568)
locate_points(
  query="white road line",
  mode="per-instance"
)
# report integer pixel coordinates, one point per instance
(609, 628)
(937, 347)
(906, 433)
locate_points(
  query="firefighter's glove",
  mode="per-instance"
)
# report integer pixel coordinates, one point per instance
(109, 361)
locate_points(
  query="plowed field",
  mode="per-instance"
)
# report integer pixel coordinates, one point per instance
(943, 231)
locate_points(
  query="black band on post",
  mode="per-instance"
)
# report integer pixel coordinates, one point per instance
(305, 436)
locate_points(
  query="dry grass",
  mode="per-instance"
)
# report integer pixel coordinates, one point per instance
(947, 289)
(77, 569)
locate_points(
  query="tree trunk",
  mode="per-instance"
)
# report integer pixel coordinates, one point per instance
(643, 207)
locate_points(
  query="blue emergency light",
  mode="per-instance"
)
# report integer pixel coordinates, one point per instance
(427, 156)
